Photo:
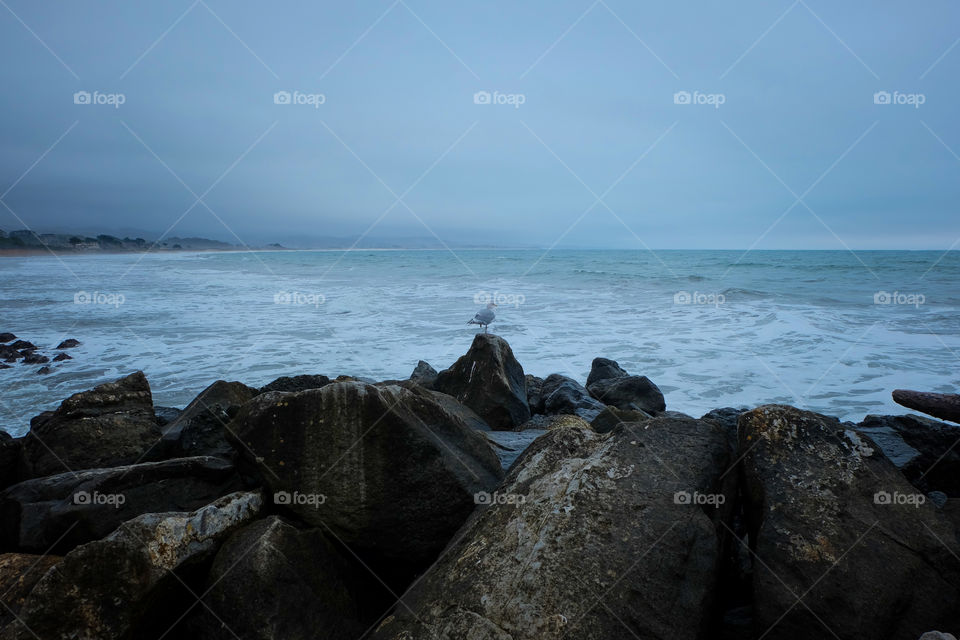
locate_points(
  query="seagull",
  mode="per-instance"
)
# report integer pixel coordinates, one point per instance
(484, 317)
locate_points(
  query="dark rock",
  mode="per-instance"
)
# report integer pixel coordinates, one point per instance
(604, 369)
(20, 345)
(7, 337)
(44, 370)
(611, 417)
(390, 471)
(108, 426)
(424, 375)
(556, 421)
(927, 453)
(489, 380)
(586, 538)
(10, 451)
(945, 406)
(296, 383)
(30, 357)
(508, 445)
(19, 573)
(166, 415)
(565, 395)
(69, 343)
(534, 393)
(133, 583)
(272, 581)
(833, 522)
(629, 392)
(200, 428)
(4, 366)
(62, 356)
(60, 512)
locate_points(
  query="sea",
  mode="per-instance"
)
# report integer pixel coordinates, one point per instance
(830, 331)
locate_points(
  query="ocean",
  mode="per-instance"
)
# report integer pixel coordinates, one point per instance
(830, 331)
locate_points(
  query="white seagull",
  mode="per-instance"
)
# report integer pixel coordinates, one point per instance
(484, 317)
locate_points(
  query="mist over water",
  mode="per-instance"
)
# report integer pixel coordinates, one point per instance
(825, 330)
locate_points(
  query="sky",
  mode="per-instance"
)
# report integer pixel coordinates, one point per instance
(607, 123)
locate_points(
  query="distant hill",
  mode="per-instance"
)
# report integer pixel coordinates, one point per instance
(29, 240)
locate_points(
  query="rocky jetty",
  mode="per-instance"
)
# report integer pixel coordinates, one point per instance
(475, 502)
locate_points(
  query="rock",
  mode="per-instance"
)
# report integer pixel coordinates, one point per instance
(938, 499)
(629, 392)
(604, 369)
(200, 428)
(937, 635)
(7, 337)
(424, 375)
(926, 450)
(489, 380)
(43, 370)
(133, 583)
(557, 421)
(296, 383)
(566, 395)
(60, 512)
(833, 522)
(166, 415)
(29, 357)
(272, 581)
(534, 393)
(19, 572)
(586, 538)
(389, 470)
(508, 445)
(611, 417)
(945, 406)
(5, 366)
(108, 426)
(62, 356)
(10, 451)
(21, 345)
(69, 343)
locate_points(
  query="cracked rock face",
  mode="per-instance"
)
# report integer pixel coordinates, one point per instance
(832, 520)
(585, 538)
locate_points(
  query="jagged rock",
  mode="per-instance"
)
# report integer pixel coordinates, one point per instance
(19, 572)
(166, 415)
(611, 417)
(945, 406)
(43, 370)
(296, 383)
(108, 426)
(62, 356)
(7, 337)
(21, 345)
(565, 395)
(131, 584)
(69, 343)
(590, 536)
(272, 581)
(636, 393)
(604, 369)
(30, 357)
(199, 429)
(60, 512)
(832, 521)
(489, 380)
(926, 449)
(534, 393)
(9, 459)
(424, 375)
(389, 470)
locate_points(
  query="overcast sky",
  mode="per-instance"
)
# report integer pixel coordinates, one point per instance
(781, 145)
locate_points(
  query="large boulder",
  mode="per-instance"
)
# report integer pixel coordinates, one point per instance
(845, 546)
(134, 582)
(945, 406)
(926, 449)
(611, 417)
(60, 512)
(296, 383)
(112, 424)
(609, 383)
(590, 536)
(563, 395)
(199, 429)
(489, 380)
(389, 470)
(272, 581)
(19, 573)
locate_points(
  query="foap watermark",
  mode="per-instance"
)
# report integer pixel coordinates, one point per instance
(884, 297)
(95, 498)
(697, 297)
(709, 499)
(112, 99)
(902, 499)
(513, 99)
(296, 498)
(99, 297)
(698, 97)
(299, 298)
(911, 99)
(484, 498)
(500, 299)
(298, 97)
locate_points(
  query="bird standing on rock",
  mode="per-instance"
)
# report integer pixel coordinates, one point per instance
(484, 317)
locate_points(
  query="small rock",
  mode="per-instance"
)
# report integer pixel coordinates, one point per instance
(31, 357)
(565, 395)
(19, 345)
(534, 393)
(199, 429)
(937, 635)
(69, 343)
(166, 415)
(5, 366)
(424, 375)
(296, 383)
(62, 356)
(44, 370)
(7, 337)
(604, 369)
